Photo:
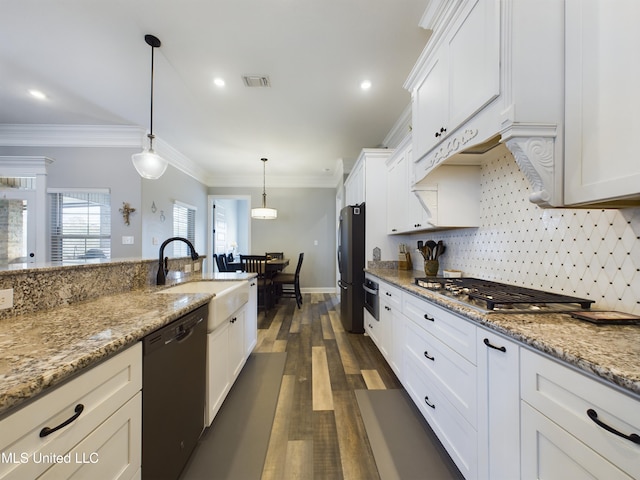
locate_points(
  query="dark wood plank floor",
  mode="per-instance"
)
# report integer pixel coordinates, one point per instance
(318, 431)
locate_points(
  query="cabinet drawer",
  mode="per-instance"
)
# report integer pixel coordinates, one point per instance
(458, 437)
(453, 331)
(390, 295)
(564, 396)
(112, 451)
(101, 390)
(453, 374)
(548, 451)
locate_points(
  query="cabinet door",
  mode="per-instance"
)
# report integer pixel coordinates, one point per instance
(473, 60)
(372, 327)
(112, 451)
(236, 343)
(355, 185)
(218, 379)
(548, 451)
(498, 406)
(416, 214)
(397, 194)
(251, 318)
(429, 105)
(601, 100)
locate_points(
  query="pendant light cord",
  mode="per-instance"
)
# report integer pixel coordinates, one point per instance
(151, 109)
(264, 182)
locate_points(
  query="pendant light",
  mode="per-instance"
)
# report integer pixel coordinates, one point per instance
(148, 163)
(264, 213)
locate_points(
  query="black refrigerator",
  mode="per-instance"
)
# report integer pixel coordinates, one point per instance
(351, 256)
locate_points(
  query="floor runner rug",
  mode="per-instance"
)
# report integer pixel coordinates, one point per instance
(235, 445)
(403, 444)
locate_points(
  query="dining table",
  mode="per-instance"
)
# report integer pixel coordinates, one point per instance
(274, 265)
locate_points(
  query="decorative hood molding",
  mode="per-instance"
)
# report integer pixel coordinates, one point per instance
(534, 148)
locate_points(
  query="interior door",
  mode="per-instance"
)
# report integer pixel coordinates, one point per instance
(18, 227)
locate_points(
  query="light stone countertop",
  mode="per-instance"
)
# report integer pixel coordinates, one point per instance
(610, 352)
(43, 349)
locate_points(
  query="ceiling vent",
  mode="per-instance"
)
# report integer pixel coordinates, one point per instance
(256, 80)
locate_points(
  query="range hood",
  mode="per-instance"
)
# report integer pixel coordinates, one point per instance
(533, 147)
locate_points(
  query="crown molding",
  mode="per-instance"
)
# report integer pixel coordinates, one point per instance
(98, 136)
(42, 135)
(273, 182)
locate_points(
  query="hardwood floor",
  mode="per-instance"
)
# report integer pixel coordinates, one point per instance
(318, 431)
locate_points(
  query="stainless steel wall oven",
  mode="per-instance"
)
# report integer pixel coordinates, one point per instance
(371, 297)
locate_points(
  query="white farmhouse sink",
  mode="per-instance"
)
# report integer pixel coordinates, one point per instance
(229, 297)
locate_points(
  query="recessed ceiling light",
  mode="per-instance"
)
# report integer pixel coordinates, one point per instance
(37, 94)
(219, 82)
(365, 85)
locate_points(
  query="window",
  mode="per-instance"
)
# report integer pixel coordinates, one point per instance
(80, 224)
(184, 225)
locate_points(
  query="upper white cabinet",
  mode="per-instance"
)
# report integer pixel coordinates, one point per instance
(404, 211)
(602, 101)
(354, 185)
(459, 72)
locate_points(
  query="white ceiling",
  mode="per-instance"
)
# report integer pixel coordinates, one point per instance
(90, 58)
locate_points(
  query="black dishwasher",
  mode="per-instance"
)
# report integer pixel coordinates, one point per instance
(173, 394)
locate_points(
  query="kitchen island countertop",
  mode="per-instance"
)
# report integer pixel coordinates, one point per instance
(44, 349)
(610, 352)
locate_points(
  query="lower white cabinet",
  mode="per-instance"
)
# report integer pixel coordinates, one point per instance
(103, 436)
(574, 424)
(226, 355)
(440, 375)
(251, 317)
(498, 406)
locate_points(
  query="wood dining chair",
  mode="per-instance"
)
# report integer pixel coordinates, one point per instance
(289, 283)
(258, 264)
(221, 262)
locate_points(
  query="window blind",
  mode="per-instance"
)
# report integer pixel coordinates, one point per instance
(80, 224)
(184, 225)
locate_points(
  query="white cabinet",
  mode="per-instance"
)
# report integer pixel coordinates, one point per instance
(367, 183)
(103, 438)
(601, 101)
(226, 355)
(354, 185)
(457, 75)
(397, 190)
(439, 373)
(390, 315)
(498, 406)
(404, 212)
(574, 426)
(251, 318)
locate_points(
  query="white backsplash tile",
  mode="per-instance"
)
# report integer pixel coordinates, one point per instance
(591, 253)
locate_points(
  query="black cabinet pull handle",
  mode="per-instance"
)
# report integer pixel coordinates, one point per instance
(387, 294)
(490, 345)
(48, 431)
(387, 308)
(426, 400)
(593, 415)
(426, 354)
(427, 317)
(233, 320)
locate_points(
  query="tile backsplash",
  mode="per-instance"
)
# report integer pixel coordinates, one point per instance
(591, 253)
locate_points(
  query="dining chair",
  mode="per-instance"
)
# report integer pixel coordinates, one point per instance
(258, 264)
(289, 283)
(221, 261)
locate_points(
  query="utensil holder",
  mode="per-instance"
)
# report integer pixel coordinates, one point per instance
(431, 268)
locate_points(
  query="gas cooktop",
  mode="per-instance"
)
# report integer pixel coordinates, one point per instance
(490, 296)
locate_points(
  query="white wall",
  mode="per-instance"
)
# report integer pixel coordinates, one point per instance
(173, 185)
(305, 215)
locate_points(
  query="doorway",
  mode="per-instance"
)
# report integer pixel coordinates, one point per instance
(229, 226)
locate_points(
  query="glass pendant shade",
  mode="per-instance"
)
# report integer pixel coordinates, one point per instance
(264, 213)
(149, 164)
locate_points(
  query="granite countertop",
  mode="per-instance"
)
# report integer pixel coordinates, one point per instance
(43, 349)
(610, 352)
